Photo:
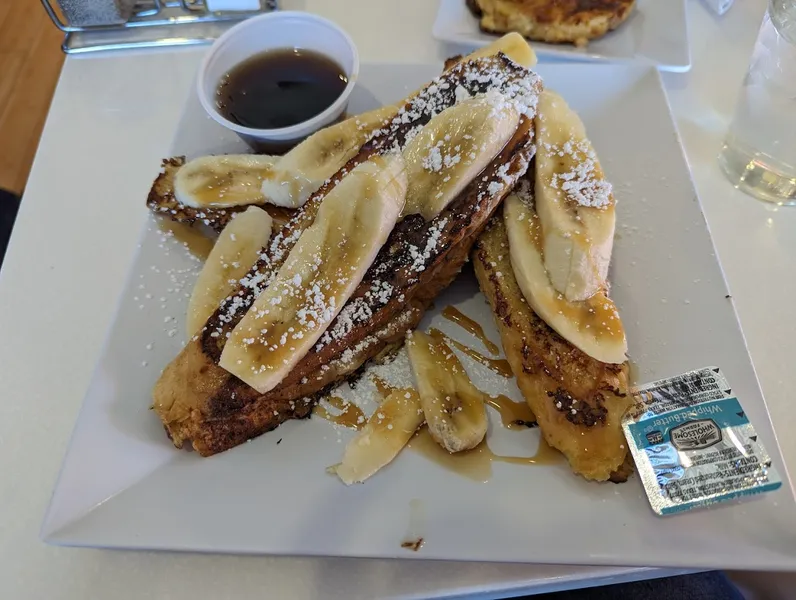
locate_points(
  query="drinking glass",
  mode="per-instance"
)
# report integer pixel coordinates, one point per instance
(759, 153)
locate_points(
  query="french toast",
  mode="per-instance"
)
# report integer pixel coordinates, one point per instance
(578, 401)
(210, 190)
(162, 202)
(200, 402)
(552, 21)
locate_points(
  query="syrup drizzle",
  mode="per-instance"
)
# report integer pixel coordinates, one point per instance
(384, 388)
(513, 415)
(191, 237)
(351, 415)
(454, 315)
(498, 365)
(476, 464)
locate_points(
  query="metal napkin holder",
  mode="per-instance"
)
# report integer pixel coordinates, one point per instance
(152, 24)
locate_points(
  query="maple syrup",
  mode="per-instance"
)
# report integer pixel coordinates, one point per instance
(351, 415)
(279, 214)
(280, 88)
(513, 415)
(476, 464)
(454, 315)
(384, 388)
(498, 365)
(192, 238)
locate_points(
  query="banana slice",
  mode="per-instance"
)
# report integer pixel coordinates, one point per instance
(387, 431)
(241, 179)
(223, 181)
(454, 408)
(236, 250)
(307, 166)
(512, 45)
(319, 275)
(573, 200)
(593, 325)
(454, 147)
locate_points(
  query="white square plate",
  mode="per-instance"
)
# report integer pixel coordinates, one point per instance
(124, 486)
(656, 32)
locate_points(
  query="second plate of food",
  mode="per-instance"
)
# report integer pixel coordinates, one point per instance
(648, 30)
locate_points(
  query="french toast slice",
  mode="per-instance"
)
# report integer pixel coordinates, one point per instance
(553, 21)
(228, 177)
(578, 401)
(201, 403)
(162, 202)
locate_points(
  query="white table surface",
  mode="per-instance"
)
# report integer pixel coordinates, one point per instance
(111, 121)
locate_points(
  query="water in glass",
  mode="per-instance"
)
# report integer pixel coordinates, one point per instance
(759, 153)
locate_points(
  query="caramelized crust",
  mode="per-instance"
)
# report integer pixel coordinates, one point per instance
(556, 21)
(578, 401)
(162, 202)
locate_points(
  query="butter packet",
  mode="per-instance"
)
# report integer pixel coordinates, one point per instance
(693, 445)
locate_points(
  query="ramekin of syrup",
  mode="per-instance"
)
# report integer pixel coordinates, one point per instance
(277, 78)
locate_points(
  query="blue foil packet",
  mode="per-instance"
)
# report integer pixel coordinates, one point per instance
(693, 445)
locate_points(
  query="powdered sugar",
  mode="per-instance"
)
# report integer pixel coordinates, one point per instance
(356, 311)
(420, 258)
(461, 94)
(433, 160)
(582, 184)
(517, 87)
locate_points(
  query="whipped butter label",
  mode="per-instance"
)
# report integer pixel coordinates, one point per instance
(693, 444)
